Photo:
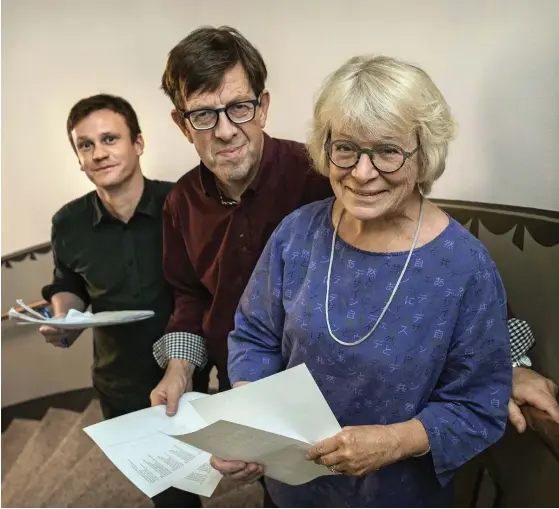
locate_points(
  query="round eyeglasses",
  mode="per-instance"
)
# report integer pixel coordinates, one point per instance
(206, 118)
(386, 158)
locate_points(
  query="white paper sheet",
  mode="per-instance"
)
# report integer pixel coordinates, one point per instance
(283, 458)
(140, 447)
(82, 320)
(288, 403)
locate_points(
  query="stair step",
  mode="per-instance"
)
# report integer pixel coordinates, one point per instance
(80, 478)
(115, 490)
(54, 426)
(70, 450)
(14, 439)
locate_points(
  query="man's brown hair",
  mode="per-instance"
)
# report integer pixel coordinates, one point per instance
(85, 107)
(199, 62)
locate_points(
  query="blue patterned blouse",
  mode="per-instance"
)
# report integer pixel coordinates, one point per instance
(441, 353)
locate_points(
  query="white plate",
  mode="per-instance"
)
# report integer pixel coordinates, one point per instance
(102, 319)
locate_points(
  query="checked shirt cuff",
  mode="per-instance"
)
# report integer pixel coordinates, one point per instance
(180, 345)
(521, 340)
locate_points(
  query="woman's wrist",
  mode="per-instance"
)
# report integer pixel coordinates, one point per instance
(411, 439)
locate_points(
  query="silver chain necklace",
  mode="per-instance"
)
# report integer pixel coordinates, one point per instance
(360, 340)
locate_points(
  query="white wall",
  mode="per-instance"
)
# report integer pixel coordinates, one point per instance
(31, 368)
(496, 61)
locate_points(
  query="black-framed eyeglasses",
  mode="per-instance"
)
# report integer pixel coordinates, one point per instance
(385, 157)
(207, 118)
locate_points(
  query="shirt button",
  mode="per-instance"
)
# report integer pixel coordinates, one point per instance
(242, 235)
(244, 249)
(129, 263)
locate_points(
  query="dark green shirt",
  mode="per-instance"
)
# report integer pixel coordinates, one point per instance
(115, 266)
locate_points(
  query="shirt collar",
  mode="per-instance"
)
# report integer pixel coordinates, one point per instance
(147, 204)
(209, 185)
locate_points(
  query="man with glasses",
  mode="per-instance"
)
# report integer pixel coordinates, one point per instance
(218, 217)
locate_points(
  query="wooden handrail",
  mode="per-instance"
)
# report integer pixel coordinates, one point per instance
(34, 305)
(30, 252)
(546, 428)
(31, 249)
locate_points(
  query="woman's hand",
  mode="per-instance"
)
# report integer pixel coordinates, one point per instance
(238, 470)
(358, 450)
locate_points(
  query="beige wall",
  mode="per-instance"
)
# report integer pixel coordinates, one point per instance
(495, 60)
(30, 367)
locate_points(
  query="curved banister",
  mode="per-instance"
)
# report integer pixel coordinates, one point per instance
(30, 252)
(18, 256)
(546, 428)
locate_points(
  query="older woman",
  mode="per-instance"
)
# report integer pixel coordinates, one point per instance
(399, 313)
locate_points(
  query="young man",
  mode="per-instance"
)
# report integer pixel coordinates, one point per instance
(107, 253)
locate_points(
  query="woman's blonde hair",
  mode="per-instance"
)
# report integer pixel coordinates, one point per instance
(373, 96)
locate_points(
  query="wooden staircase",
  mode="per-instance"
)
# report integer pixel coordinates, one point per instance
(53, 463)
